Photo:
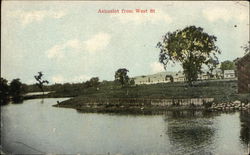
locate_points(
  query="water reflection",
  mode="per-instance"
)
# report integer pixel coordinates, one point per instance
(190, 130)
(133, 111)
(32, 128)
(14, 100)
(245, 127)
(17, 99)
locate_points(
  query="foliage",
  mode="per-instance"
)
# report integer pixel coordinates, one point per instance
(4, 91)
(246, 48)
(131, 82)
(121, 76)
(93, 82)
(191, 47)
(40, 81)
(16, 90)
(227, 65)
(15, 87)
(212, 64)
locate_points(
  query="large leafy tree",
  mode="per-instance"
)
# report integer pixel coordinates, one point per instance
(40, 81)
(15, 87)
(121, 76)
(191, 47)
(227, 65)
(16, 90)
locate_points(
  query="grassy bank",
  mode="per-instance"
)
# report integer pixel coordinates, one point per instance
(216, 89)
(111, 97)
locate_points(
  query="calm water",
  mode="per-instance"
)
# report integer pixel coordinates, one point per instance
(35, 127)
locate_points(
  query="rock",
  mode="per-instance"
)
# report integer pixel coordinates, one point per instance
(237, 102)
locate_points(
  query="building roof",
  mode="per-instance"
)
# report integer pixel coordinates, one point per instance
(228, 71)
(242, 59)
(160, 74)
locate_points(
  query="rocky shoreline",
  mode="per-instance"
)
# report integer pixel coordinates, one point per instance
(230, 106)
(143, 105)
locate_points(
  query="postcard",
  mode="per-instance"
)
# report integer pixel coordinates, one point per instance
(125, 77)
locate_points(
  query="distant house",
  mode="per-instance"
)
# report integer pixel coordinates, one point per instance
(207, 75)
(217, 73)
(162, 77)
(166, 77)
(243, 73)
(203, 76)
(229, 74)
(179, 77)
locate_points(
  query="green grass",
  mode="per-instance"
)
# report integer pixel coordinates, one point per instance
(221, 91)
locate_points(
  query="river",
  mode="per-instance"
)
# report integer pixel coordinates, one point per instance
(35, 127)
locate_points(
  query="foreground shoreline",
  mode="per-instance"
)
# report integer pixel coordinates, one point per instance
(129, 109)
(145, 106)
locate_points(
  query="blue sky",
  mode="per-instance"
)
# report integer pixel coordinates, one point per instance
(71, 42)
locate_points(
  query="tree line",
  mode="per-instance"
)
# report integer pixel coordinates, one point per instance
(14, 90)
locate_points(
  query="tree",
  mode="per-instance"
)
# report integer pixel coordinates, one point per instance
(227, 65)
(246, 48)
(40, 81)
(191, 47)
(4, 91)
(132, 81)
(93, 82)
(16, 90)
(121, 76)
(211, 66)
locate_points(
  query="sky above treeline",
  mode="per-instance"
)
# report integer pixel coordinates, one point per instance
(72, 41)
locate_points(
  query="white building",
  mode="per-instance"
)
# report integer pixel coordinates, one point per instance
(229, 74)
(162, 77)
(165, 77)
(216, 74)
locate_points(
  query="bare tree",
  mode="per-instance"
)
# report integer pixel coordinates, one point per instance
(40, 81)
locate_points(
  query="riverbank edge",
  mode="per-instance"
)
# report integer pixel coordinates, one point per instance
(145, 105)
(129, 109)
(52, 95)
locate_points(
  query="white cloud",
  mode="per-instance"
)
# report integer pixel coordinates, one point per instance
(58, 79)
(216, 13)
(56, 52)
(75, 79)
(156, 67)
(28, 17)
(76, 44)
(81, 78)
(97, 42)
(139, 18)
(213, 14)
